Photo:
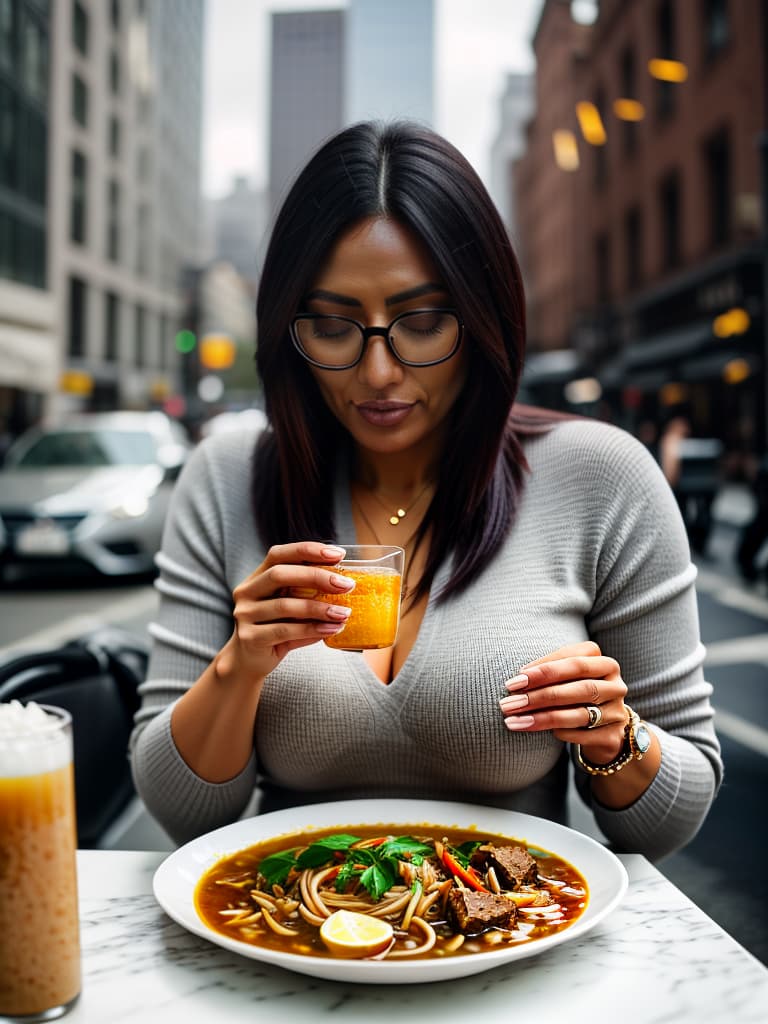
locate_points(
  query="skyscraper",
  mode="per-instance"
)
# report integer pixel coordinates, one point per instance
(307, 90)
(389, 60)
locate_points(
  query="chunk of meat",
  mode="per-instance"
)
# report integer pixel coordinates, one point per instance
(513, 865)
(474, 912)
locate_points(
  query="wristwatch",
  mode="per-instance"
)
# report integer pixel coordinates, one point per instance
(637, 740)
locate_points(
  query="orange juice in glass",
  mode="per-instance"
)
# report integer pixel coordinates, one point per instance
(377, 570)
(39, 933)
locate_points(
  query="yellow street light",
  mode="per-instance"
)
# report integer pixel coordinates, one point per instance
(733, 321)
(217, 351)
(628, 110)
(736, 370)
(667, 70)
(590, 122)
(566, 150)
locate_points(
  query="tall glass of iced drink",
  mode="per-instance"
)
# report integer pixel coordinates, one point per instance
(377, 570)
(39, 933)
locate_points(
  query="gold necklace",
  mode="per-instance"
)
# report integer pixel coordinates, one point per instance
(399, 513)
(404, 545)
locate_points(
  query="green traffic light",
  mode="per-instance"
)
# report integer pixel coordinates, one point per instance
(185, 341)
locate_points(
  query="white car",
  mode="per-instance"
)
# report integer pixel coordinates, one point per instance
(90, 491)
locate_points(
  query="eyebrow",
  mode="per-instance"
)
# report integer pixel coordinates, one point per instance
(392, 300)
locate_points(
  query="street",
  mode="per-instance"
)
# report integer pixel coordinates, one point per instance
(722, 869)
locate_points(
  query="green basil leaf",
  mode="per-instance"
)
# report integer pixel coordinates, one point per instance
(463, 853)
(378, 879)
(347, 872)
(322, 851)
(406, 848)
(277, 866)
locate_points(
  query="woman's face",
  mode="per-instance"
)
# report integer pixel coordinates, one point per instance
(377, 270)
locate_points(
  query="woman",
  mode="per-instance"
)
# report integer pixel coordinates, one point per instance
(548, 574)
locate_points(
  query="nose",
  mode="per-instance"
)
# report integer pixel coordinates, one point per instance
(379, 367)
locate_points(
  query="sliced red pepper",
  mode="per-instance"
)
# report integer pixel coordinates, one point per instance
(468, 875)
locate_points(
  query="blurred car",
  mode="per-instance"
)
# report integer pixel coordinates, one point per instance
(91, 491)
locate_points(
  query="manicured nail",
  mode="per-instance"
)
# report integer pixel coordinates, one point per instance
(342, 582)
(338, 611)
(519, 700)
(518, 722)
(516, 683)
(329, 628)
(333, 552)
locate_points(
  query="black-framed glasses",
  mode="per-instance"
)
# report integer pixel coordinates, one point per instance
(420, 337)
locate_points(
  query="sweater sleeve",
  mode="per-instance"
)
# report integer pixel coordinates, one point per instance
(194, 622)
(645, 616)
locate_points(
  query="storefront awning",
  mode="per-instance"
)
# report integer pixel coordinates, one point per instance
(29, 358)
(664, 348)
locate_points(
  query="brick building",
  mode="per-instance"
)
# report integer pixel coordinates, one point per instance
(661, 219)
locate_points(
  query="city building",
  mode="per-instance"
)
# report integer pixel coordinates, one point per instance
(664, 234)
(389, 60)
(515, 110)
(238, 225)
(331, 68)
(306, 90)
(29, 350)
(111, 143)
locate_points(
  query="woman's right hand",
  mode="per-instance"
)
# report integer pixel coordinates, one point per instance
(276, 610)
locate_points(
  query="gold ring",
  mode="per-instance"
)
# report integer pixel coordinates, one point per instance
(595, 715)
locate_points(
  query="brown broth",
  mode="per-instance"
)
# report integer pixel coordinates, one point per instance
(226, 886)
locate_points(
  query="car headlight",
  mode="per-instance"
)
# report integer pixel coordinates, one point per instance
(131, 507)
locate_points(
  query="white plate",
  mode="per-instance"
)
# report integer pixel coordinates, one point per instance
(176, 878)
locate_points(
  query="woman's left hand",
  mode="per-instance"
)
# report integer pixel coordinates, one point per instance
(555, 693)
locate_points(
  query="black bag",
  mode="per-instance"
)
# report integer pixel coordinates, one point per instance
(96, 679)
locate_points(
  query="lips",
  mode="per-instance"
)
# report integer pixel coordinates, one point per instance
(384, 413)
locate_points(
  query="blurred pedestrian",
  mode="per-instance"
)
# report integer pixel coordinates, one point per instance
(755, 534)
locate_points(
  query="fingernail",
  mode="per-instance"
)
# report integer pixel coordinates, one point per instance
(342, 582)
(512, 703)
(516, 683)
(338, 611)
(329, 628)
(333, 552)
(517, 722)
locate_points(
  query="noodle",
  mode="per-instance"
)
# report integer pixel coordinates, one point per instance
(445, 894)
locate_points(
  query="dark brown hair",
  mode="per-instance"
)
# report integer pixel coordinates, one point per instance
(409, 173)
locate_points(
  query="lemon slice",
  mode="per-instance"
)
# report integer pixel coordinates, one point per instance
(347, 934)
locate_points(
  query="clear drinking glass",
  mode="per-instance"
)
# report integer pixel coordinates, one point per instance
(375, 602)
(39, 927)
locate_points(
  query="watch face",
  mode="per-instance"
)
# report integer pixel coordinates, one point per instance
(642, 738)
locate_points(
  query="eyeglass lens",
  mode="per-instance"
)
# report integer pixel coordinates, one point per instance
(424, 336)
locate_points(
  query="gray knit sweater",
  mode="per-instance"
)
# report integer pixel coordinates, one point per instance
(597, 550)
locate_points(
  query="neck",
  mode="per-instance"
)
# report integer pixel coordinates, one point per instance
(399, 476)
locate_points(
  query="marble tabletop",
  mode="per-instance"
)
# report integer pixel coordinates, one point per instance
(656, 958)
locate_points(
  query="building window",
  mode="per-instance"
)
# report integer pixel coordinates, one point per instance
(114, 136)
(79, 198)
(666, 50)
(717, 159)
(113, 221)
(111, 327)
(669, 203)
(76, 320)
(80, 28)
(628, 76)
(79, 101)
(716, 27)
(114, 73)
(34, 157)
(603, 268)
(9, 133)
(114, 14)
(8, 30)
(34, 60)
(601, 151)
(142, 239)
(633, 237)
(163, 352)
(140, 336)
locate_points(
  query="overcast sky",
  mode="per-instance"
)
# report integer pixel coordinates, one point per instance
(477, 43)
